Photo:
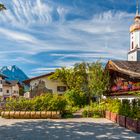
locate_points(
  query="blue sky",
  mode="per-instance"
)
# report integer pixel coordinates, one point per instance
(41, 35)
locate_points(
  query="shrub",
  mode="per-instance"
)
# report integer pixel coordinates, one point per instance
(72, 109)
(125, 108)
(37, 103)
(135, 109)
(40, 103)
(67, 115)
(57, 103)
(95, 110)
(87, 112)
(75, 98)
(46, 102)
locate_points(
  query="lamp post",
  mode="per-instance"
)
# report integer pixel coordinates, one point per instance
(2, 7)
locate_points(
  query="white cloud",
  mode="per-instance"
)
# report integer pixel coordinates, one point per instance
(18, 36)
(42, 70)
(30, 28)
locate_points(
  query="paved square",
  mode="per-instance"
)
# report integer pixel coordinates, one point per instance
(65, 129)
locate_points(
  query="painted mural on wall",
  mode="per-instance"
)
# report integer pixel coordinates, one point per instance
(122, 86)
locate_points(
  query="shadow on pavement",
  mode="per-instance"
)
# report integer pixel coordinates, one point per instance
(52, 130)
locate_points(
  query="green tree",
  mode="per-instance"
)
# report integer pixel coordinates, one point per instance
(75, 78)
(98, 79)
(87, 78)
(75, 98)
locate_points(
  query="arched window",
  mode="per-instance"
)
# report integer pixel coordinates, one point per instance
(132, 45)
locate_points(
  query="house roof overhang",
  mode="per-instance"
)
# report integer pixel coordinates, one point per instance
(37, 77)
(130, 68)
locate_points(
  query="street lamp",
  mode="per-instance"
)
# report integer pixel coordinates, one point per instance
(2, 7)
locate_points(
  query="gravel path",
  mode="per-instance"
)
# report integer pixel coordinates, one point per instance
(65, 129)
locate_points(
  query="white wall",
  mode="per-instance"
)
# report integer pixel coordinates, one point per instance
(135, 38)
(5, 88)
(132, 56)
(15, 90)
(50, 84)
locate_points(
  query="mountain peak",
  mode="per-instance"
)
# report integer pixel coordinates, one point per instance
(13, 73)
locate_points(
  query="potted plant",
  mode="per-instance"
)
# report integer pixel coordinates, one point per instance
(115, 105)
(131, 119)
(131, 124)
(124, 111)
(138, 126)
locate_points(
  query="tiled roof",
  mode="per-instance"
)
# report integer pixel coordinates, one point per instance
(38, 77)
(131, 68)
(3, 76)
(10, 83)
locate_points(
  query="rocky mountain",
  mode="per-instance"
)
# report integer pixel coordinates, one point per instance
(13, 73)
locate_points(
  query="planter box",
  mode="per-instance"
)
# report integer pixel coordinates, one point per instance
(27, 115)
(17, 115)
(55, 115)
(108, 115)
(38, 115)
(31, 115)
(131, 124)
(121, 120)
(49, 114)
(43, 114)
(138, 126)
(22, 114)
(11, 114)
(113, 117)
(5, 114)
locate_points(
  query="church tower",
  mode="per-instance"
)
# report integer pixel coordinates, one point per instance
(134, 52)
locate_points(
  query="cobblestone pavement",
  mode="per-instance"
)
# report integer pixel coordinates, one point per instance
(65, 129)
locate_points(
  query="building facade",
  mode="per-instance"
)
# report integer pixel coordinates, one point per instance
(124, 79)
(8, 88)
(125, 75)
(43, 84)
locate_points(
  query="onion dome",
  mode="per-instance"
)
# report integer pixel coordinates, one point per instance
(136, 25)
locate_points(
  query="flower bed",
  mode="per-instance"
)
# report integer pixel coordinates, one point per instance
(31, 114)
